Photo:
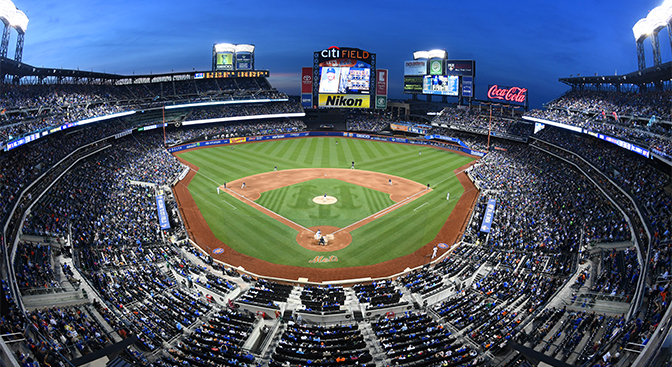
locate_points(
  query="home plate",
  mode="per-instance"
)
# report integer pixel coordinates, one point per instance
(324, 200)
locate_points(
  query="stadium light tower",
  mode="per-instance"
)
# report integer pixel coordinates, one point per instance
(7, 10)
(20, 23)
(657, 19)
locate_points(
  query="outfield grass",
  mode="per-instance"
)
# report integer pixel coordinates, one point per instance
(295, 202)
(399, 233)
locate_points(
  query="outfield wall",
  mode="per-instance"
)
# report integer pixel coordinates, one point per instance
(247, 139)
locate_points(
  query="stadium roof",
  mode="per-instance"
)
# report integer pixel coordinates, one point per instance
(21, 70)
(654, 74)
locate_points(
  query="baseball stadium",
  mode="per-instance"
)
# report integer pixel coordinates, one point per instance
(206, 218)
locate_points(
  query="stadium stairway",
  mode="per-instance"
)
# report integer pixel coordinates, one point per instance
(372, 344)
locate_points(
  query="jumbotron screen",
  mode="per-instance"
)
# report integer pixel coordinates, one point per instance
(345, 79)
(445, 85)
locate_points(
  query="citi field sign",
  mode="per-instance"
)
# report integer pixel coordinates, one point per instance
(344, 53)
(335, 52)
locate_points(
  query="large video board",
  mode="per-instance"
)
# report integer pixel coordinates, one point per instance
(445, 85)
(343, 77)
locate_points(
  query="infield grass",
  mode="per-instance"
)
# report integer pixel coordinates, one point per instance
(398, 233)
(295, 202)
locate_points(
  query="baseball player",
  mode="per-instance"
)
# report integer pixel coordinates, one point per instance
(217, 190)
(353, 165)
(389, 182)
(243, 186)
(275, 168)
(448, 196)
(434, 252)
(325, 197)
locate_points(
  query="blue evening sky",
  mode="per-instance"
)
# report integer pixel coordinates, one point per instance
(526, 43)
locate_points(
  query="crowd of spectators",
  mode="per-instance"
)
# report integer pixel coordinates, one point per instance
(475, 120)
(28, 108)
(322, 299)
(303, 344)
(546, 211)
(367, 122)
(184, 134)
(72, 330)
(641, 118)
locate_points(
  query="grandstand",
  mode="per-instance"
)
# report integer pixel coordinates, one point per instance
(574, 268)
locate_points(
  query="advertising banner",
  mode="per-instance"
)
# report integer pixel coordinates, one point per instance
(460, 67)
(507, 94)
(344, 101)
(224, 61)
(436, 67)
(415, 67)
(381, 102)
(307, 100)
(244, 61)
(467, 86)
(163, 215)
(381, 82)
(238, 140)
(489, 214)
(306, 80)
(413, 84)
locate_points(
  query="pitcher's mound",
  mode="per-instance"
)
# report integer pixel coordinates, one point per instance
(324, 201)
(336, 241)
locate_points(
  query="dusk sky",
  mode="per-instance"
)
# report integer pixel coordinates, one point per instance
(526, 43)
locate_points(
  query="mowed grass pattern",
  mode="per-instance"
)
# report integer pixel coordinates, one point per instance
(396, 234)
(354, 203)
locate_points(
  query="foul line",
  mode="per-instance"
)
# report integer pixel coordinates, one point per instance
(229, 204)
(449, 177)
(384, 211)
(269, 210)
(420, 206)
(202, 198)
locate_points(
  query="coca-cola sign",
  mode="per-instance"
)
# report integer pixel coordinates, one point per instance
(509, 94)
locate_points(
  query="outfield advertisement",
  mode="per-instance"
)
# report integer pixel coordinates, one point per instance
(344, 100)
(318, 133)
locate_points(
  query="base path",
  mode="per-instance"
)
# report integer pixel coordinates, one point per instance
(201, 233)
(402, 192)
(256, 184)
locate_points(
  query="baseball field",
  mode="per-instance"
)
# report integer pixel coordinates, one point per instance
(379, 211)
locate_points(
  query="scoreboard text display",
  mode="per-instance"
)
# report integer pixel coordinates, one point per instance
(343, 77)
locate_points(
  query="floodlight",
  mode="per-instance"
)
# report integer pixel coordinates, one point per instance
(657, 19)
(20, 21)
(437, 54)
(7, 10)
(421, 55)
(225, 47)
(641, 29)
(244, 48)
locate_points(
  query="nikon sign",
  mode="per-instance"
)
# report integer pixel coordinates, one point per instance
(344, 101)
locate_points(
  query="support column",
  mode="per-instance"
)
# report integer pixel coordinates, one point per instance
(5, 40)
(656, 48)
(641, 60)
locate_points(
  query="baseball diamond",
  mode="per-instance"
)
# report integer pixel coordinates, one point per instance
(376, 228)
